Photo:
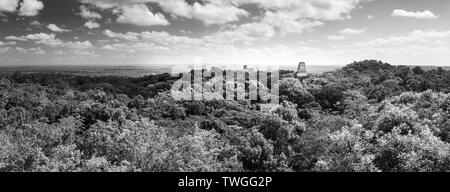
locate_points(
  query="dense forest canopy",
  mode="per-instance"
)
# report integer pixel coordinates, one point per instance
(367, 116)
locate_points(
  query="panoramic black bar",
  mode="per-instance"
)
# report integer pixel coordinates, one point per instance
(224, 95)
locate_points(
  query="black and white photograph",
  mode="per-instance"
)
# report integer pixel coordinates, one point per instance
(224, 86)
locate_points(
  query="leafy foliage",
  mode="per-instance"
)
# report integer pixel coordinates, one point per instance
(368, 116)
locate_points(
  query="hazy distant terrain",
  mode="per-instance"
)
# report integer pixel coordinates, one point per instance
(140, 71)
(129, 71)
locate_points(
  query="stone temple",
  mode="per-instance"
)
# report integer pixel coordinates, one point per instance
(301, 70)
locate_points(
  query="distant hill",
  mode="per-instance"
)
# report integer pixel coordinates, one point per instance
(313, 69)
(375, 65)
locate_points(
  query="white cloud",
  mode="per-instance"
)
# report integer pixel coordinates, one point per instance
(213, 14)
(75, 52)
(287, 23)
(136, 47)
(35, 23)
(107, 4)
(92, 24)
(156, 43)
(224, 11)
(162, 47)
(55, 28)
(160, 38)
(210, 12)
(417, 36)
(8, 5)
(429, 34)
(51, 40)
(128, 36)
(20, 49)
(30, 7)
(417, 15)
(139, 14)
(245, 33)
(349, 31)
(88, 14)
(37, 51)
(84, 53)
(313, 9)
(7, 43)
(15, 38)
(166, 39)
(336, 37)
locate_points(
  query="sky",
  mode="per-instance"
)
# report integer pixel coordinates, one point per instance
(230, 32)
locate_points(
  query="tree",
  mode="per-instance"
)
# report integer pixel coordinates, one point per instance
(349, 151)
(292, 90)
(418, 70)
(330, 95)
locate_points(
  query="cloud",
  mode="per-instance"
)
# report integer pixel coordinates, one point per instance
(15, 38)
(35, 23)
(34, 50)
(416, 15)
(88, 14)
(37, 36)
(8, 5)
(349, 31)
(287, 23)
(136, 47)
(128, 36)
(209, 12)
(7, 43)
(346, 31)
(39, 51)
(76, 52)
(139, 14)
(336, 37)
(157, 43)
(160, 38)
(429, 34)
(419, 47)
(92, 24)
(217, 47)
(107, 4)
(213, 14)
(166, 39)
(26, 7)
(245, 33)
(312, 9)
(432, 37)
(51, 40)
(30, 7)
(323, 9)
(55, 28)
(225, 11)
